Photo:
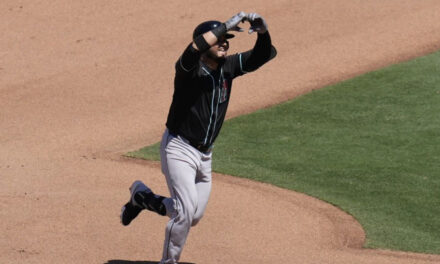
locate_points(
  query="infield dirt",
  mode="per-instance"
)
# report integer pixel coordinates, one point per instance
(82, 82)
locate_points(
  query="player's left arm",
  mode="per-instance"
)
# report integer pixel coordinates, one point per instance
(263, 50)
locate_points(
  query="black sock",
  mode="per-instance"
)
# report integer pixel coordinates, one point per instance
(151, 201)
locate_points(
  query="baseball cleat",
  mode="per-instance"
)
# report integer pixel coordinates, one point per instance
(129, 212)
(132, 209)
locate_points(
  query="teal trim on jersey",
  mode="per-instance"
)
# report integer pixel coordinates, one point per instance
(241, 63)
(212, 105)
(218, 102)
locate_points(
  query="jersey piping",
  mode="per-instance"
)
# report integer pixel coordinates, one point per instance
(241, 63)
(218, 102)
(212, 105)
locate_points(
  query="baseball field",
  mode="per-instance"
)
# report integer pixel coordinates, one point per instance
(367, 145)
(344, 170)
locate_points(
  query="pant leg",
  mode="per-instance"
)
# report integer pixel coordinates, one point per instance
(203, 186)
(179, 165)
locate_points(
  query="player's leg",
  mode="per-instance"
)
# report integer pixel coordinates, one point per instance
(141, 197)
(203, 186)
(178, 227)
(179, 165)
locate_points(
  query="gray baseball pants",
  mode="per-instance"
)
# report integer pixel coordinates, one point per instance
(188, 175)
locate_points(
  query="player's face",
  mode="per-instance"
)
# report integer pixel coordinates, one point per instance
(220, 49)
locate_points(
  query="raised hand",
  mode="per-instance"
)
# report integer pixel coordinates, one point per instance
(258, 24)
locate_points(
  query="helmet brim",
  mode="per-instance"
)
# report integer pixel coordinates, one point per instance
(207, 26)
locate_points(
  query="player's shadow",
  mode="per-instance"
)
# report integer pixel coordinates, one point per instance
(119, 261)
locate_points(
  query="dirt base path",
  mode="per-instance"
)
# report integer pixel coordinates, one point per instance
(83, 81)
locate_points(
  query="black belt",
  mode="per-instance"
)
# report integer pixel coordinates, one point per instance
(199, 147)
(202, 148)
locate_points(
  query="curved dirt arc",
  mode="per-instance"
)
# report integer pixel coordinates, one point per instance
(71, 106)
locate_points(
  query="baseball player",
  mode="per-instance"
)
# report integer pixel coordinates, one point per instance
(202, 88)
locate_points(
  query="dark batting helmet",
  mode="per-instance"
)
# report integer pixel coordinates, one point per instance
(207, 26)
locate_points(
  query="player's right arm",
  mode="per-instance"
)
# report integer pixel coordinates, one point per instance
(190, 57)
(188, 60)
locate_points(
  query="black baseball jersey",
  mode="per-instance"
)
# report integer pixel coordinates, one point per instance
(201, 95)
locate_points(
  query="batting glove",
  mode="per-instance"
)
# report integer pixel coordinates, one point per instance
(232, 23)
(258, 24)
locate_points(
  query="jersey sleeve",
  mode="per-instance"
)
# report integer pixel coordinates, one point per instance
(233, 65)
(188, 61)
(253, 59)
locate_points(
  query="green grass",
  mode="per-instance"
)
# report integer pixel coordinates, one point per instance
(148, 153)
(370, 145)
